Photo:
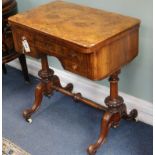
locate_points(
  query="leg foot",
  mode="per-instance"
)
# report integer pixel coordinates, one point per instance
(131, 116)
(29, 120)
(69, 87)
(108, 120)
(38, 98)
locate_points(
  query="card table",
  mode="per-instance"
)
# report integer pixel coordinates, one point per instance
(89, 42)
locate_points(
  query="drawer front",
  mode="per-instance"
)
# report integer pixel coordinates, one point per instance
(18, 35)
(81, 68)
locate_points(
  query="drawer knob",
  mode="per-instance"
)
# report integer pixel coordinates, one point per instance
(74, 66)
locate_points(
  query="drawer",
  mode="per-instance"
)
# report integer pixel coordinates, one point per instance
(78, 68)
(83, 67)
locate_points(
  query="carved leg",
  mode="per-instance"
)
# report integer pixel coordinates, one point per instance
(39, 90)
(116, 111)
(42, 88)
(48, 79)
(108, 120)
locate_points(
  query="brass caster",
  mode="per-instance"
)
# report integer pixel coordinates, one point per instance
(29, 120)
(91, 150)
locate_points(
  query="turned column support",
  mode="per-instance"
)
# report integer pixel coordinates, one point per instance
(45, 73)
(114, 86)
(114, 100)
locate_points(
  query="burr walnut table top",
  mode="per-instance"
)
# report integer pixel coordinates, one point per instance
(84, 26)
